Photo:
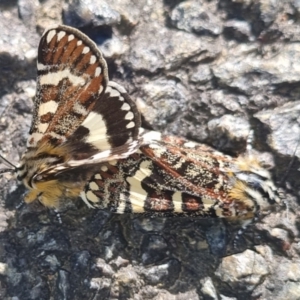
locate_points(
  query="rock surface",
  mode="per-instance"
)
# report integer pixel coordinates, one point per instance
(207, 70)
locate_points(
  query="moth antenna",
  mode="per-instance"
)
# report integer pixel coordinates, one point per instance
(7, 162)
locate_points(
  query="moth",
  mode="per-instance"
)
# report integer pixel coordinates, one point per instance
(86, 140)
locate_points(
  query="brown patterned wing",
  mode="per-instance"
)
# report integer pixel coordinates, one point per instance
(75, 103)
(72, 76)
(173, 176)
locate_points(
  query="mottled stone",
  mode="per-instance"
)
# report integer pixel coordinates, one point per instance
(245, 270)
(162, 100)
(284, 124)
(86, 12)
(291, 291)
(193, 16)
(177, 47)
(208, 288)
(202, 74)
(105, 268)
(228, 130)
(238, 30)
(246, 72)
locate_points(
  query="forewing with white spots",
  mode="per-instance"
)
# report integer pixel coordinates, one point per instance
(72, 76)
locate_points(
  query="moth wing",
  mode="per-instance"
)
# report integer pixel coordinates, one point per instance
(110, 131)
(72, 76)
(76, 107)
(141, 184)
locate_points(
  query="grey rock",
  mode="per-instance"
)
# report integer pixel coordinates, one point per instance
(113, 47)
(201, 75)
(100, 283)
(285, 129)
(105, 268)
(178, 47)
(166, 97)
(291, 291)
(208, 288)
(154, 249)
(156, 274)
(238, 30)
(63, 284)
(228, 130)
(191, 295)
(193, 16)
(119, 262)
(80, 13)
(129, 10)
(268, 10)
(245, 270)
(28, 12)
(250, 73)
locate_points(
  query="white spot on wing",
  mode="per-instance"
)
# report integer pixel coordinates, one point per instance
(112, 92)
(35, 137)
(57, 136)
(122, 204)
(85, 200)
(97, 136)
(104, 168)
(98, 176)
(55, 77)
(47, 107)
(97, 71)
(190, 145)
(92, 59)
(137, 194)
(41, 67)
(60, 35)
(130, 125)
(129, 115)
(79, 43)
(93, 186)
(70, 37)
(151, 136)
(85, 50)
(125, 106)
(113, 162)
(79, 109)
(50, 35)
(177, 201)
(42, 127)
(92, 197)
(101, 89)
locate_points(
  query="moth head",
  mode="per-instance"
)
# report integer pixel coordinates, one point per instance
(48, 183)
(36, 164)
(254, 183)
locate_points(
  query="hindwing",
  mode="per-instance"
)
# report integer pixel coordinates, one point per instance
(173, 176)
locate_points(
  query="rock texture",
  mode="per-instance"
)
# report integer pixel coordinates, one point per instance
(204, 69)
